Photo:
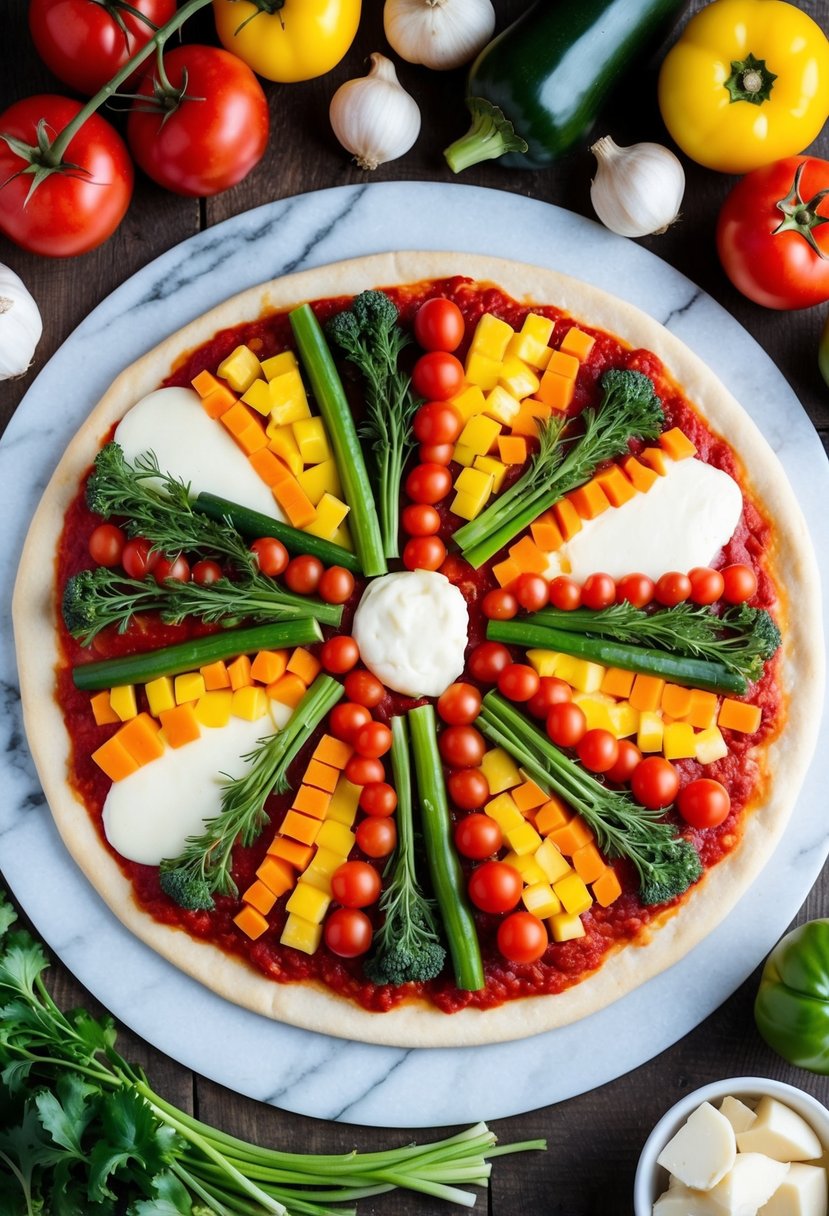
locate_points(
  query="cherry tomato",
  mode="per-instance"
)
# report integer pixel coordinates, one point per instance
(206, 572)
(439, 324)
(461, 746)
(532, 592)
(336, 585)
(437, 376)
(69, 212)
(565, 593)
(436, 453)
(378, 800)
(106, 545)
(636, 589)
(364, 770)
(364, 688)
(459, 704)
(428, 483)
(598, 591)
(654, 783)
(740, 583)
(518, 682)
(478, 837)
(177, 569)
(419, 519)
(340, 654)
(550, 691)
(373, 740)
(522, 938)
(302, 574)
(704, 803)
(626, 761)
(346, 718)
(499, 605)
(216, 134)
(348, 932)
(468, 788)
(495, 887)
(487, 661)
(84, 43)
(355, 884)
(376, 837)
(139, 558)
(271, 555)
(598, 750)
(672, 588)
(424, 552)
(566, 724)
(706, 585)
(437, 422)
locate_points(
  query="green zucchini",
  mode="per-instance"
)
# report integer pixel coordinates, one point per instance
(535, 91)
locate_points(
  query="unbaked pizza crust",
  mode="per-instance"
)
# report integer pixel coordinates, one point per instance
(415, 1024)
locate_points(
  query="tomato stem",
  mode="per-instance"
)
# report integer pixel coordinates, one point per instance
(800, 216)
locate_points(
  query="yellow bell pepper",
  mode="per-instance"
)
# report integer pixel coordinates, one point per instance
(287, 40)
(746, 84)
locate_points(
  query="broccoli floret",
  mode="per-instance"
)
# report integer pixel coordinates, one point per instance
(676, 869)
(343, 330)
(373, 312)
(186, 888)
(79, 605)
(759, 626)
(406, 950)
(109, 464)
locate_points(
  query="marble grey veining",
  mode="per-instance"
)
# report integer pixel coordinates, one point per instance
(291, 1068)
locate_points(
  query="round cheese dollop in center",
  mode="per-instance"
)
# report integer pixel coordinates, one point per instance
(411, 629)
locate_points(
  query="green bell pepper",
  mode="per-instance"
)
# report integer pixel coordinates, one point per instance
(792, 1005)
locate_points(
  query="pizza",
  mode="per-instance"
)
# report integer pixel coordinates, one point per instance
(430, 654)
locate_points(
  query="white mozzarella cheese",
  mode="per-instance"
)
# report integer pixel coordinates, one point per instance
(749, 1184)
(802, 1192)
(702, 1151)
(411, 629)
(680, 1200)
(737, 1113)
(682, 521)
(781, 1133)
(196, 449)
(149, 815)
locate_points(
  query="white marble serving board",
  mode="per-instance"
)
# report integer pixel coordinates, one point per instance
(295, 1069)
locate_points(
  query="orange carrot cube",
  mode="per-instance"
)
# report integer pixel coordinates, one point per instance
(571, 837)
(217, 403)
(114, 759)
(321, 776)
(300, 827)
(562, 364)
(288, 690)
(333, 751)
(311, 801)
(577, 342)
(616, 486)
(180, 724)
(276, 875)
(239, 672)
(530, 417)
(546, 533)
(506, 572)
(528, 796)
(269, 467)
(512, 449)
(646, 694)
(552, 815)
(739, 716)
(555, 390)
(251, 922)
(215, 676)
(260, 897)
(205, 383)
(102, 711)
(567, 518)
(589, 500)
(606, 888)
(656, 459)
(638, 474)
(294, 502)
(305, 665)
(528, 557)
(703, 710)
(588, 863)
(141, 738)
(676, 701)
(617, 683)
(296, 854)
(677, 444)
(269, 665)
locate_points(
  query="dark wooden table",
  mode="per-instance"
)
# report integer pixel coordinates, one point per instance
(594, 1139)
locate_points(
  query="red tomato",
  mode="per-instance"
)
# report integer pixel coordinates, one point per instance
(336, 585)
(436, 453)
(706, 585)
(672, 588)
(364, 770)
(303, 574)
(487, 661)
(478, 837)
(518, 682)
(522, 938)
(499, 605)
(373, 740)
(532, 592)
(340, 654)
(495, 887)
(376, 837)
(704, 803)
(85, 44)
(437, 422)
(655, 783)
(598, 591)
(565, 593)
(566, 724)
(636, 589)
(364, 688)
(355, 884)
(271, 555)
(550, 691)
(424, 552)
(106, 545)
(459, 704)
(778, 269)
(468, 788)
(177, 569)
(419, 519)
(598, 750)
(138, 558)
(437, 376)
(428, 483)
(739, 583)
(439, 324)
(69, 212)
(206, 572)
(378, 800)
(348, 932)
(461, 746)
(345, 720)
(626, 761)
(216, 134)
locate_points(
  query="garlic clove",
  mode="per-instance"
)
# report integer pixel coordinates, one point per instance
(20, 325)
(637, 191)
(374, 117)
(440, 34)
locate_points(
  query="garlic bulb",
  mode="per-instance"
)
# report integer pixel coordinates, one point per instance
(374, 117)
(440, 34)
(638, 190)
(20, 325)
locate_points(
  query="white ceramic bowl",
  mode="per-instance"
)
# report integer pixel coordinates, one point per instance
(651, 1179)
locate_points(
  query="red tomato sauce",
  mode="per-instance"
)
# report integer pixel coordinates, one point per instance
(623, 921)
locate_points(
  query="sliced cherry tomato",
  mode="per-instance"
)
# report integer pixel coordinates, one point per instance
(437, 422)
(424, 552)
(428, 483)
(468, 788)
(487, 661)
(378, 800)
(459, 704)
(478, 837)
(566, 724)
(206, 572)
(550, 691)
(376, 837)
(346, 718)
(655, 783)
(522, 938)
(439, 324)
(302, 574)
(364, 688)
(340, 654)
(436, 453)
(176, 569)
(565, 593)
(364, 770)
(740, 583)
(348, 932)
(532, 592)
(672, 588)
(461, 746)
(598, 750)
(598, 591)
(706, 585)
(499, 605)
(336, 585)
(373, 740)
(271, 555)
(627, 760)
(437, 376)
(636, 589)
(106, 545)
(139, 558)
(704, 803)
(495, 887)
(518, 682)
(355, 884)
(420, 519)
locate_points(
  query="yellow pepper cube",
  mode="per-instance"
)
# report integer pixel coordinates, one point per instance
(551, 861)
(288, 400)
(545, 662)
(678, 741)
(102, 711)
(213, 709)
(523, 839)
(342, 537)
(475, 484)
(517, 377)
(278, 364)
(505, 813)
(331, 511)
(258, 397)
(540, 899)
(596, 711)
(160, 695)
(189, 687)
(587, 676)
(481, 370)
(240, 369)
(577, 342)
(324, 863)
(527, 867)
(308, 902)
(479, 434)
(301, 934)
(539, 328)
(500, 770)
(524, 347)
(488, 464)
(466, 506)
(335, 836)
(312, 440)
(573, 893)
(649, 735)
(249, 703)
(469, 402)
(565, 928)
(501, 405)
(282, 443)
(315, 878)
(512, 449)
(463, 454)
(491, 337)
(565, 667)
(709, 745)
(617, 682)
(215, 675)
(122, 701)
(624, 719)
(320, 479)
